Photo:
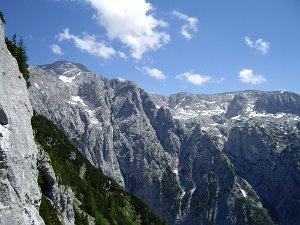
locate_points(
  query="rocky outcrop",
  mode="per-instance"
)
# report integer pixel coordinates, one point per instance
(272, 170)
(190, 157)
(235, 107)
(19, 192)
(281, 101)
(61, 196)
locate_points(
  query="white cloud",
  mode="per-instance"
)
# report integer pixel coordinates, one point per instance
(194, 78)
(247, 76)
(259, 45)
(132, 23)
(122, 55)
(153, 72)
(56, 49)
(88, 43)
(189, 26)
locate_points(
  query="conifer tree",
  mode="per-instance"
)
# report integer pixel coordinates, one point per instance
(18, 50)
(2, 17)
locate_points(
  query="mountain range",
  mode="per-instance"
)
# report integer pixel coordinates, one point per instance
(78, 148)
(229, 158)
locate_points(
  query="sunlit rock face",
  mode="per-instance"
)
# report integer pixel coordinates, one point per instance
(19, 192)
(195, 159)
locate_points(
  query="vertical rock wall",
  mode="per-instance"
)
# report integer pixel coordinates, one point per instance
(19, 192)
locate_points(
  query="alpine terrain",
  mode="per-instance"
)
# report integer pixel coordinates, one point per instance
(230, 158)
(43, 177)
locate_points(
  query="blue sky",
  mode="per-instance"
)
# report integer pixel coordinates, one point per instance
(197, 46)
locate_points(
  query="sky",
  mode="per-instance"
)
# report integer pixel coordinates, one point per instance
(167, 46)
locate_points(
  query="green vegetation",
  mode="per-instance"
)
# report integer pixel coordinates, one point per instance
(80, 218)
(101, 197)
(2, 17)
(249, 213)
(18, 50)
(48, 212)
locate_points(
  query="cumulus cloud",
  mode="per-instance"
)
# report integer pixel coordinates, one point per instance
(247, 76)
(194, 78)
(259, 45)
(131, 22)
(88, 43)
(156, 73)
(56, 49)
(189, 26)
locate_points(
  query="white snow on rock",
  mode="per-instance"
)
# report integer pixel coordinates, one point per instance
(89, 107)
(77, 99)
(212, 112)
(192, 191)
(66, 79)
(175, 172)
(236, 117)
(121, 79)
(243, 192)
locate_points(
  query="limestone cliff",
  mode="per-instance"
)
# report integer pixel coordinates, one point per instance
(19, 191)
(228, 158)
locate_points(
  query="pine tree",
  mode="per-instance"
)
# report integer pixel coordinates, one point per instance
(22, 59)
(2, 17)
(18, 50)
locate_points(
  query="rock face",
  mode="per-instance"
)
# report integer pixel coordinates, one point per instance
(195, 159)
(61, 196)
(19, 192)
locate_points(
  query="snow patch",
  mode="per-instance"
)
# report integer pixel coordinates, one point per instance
(243, 192)
(185, 114)
(192, 190)
(66, 79)
(77, 99)
(89, 108)
(121, 79)
(37, 86)
(282, 90)
(175, 172)
(236, 117)
(212, 112)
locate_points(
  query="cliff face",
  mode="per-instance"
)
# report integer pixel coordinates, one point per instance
(195, 159)
(19, 192)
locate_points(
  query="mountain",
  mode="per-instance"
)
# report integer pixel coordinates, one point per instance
(230, 158)
(43, 177)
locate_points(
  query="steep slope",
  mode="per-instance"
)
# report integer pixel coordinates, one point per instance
(19, 192)
(195, 159)
(259, 133)
(78, 189)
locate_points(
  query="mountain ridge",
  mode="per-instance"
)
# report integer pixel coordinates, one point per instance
(169, 151)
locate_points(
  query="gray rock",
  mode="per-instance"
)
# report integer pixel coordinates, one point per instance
(19, 192)
(281, 101)
(236, 106)
(195, 159)
(61, 196)
(3, 117)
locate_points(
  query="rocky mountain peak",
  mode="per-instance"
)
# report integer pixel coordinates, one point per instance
(65, 70)
(191, 157)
